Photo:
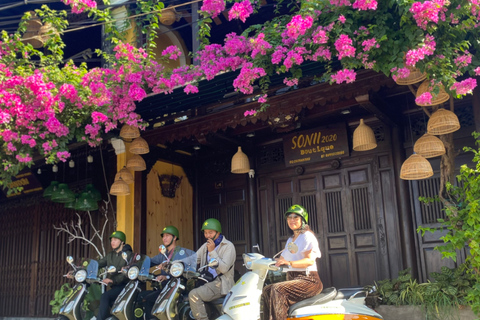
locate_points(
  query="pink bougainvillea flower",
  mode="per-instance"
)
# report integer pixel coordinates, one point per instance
(24, 158)
(240, 10)
(342, 19)
(172, 52)
(298, 26)
(189, 88)
(344, 47)
(213, 7)
(345, 75)
(427, 12)
(365, 5)
(290, 82)
(78, 6)
(340, 3)
(262, 98)
(63, 155)
(464, 87)
(424, 99)
(250, 113)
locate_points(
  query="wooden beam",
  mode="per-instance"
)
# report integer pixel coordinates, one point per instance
(373, 107)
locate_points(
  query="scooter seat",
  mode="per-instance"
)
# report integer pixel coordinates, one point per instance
(323, 297)
(218, 301)
(347, 293)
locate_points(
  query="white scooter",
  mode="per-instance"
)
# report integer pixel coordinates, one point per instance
(243, 300)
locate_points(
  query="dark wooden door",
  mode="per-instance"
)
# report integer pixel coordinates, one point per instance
(349, 227)
(342, 215)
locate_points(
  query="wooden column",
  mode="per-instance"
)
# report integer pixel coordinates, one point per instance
(476, 106)
(34, 263)
(252, 208)
(407, 233)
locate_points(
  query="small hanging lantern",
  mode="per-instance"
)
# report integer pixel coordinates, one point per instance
(364, 138)
(120, 188)
(129, 132)
(240, 162)
(139, 146)
(416, 167)
(86, 203)
(136, 163)
(63, 194)
(442, 121)
(125, 175)
(429, 146)
(169, 184)
(169, 16)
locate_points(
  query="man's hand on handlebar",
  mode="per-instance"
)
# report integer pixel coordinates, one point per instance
(107, 281)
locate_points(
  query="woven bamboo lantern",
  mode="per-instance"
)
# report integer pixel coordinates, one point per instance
(364, 138)
(443, 121)
(240, 163)
(429, 146)
(125, 175)
(120, 188)
(139, 146)
(415, 76)
(136, 163)
(416, 167)
(129, 132)
(168, 17)
(34, 23)
(46, 31)
(440, 98)
(32, 37)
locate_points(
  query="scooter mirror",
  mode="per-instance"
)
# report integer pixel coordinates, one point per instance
(213, 263)
(124, 256)
(162, 249)
(111, 269)
(70, 259)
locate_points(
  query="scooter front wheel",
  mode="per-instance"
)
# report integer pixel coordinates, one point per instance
(185, 314)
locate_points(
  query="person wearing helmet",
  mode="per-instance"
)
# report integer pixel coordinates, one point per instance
(299, 256)
(219, 248)
(170, 236)
(116, 281)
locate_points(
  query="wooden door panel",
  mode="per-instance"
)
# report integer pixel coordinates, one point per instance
(366, 240)
(366, 263)
(358, 176)
(333, 180)
(339, 265)
(337, 243)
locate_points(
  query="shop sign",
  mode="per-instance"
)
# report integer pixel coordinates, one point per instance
(319, 144)
(27, 181)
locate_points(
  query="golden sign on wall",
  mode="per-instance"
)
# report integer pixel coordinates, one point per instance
(319, 144)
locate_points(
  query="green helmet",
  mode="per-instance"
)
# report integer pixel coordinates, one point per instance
(299, 210)
(172, 230)
(212, 224)
(119, 235)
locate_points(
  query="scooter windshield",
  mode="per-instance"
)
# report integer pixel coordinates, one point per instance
(144, 270)
(188, 257)
(92, 270)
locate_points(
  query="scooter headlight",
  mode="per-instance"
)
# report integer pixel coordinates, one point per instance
(80, 275)
(247, 261)
(133, 273)
(176, 269)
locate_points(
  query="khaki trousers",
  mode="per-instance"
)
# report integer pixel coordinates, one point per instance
(208, 292)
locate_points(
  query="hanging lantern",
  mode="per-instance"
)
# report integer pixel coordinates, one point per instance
(63, 194)
(86, 203)
(129, 132)
(440, 98)
(169, 16)
(169, 184)
(47, 193)
(416, 167)
(415, 76)
(139, 146)
(72, 204)
(125, 175)
(429, 146)
(93, 192)
(136, 163)
(364, 138)
(120, 188)
(240, 163)
(442, 121)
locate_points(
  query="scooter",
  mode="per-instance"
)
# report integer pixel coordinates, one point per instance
(243, 300)
(124, 306)
(172, 303)
(71, 308)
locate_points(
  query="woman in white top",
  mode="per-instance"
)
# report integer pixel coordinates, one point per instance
(299, 255)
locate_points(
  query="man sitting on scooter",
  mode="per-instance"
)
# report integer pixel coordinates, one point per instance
(170, 235)
(117, 281)
(219, 248)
